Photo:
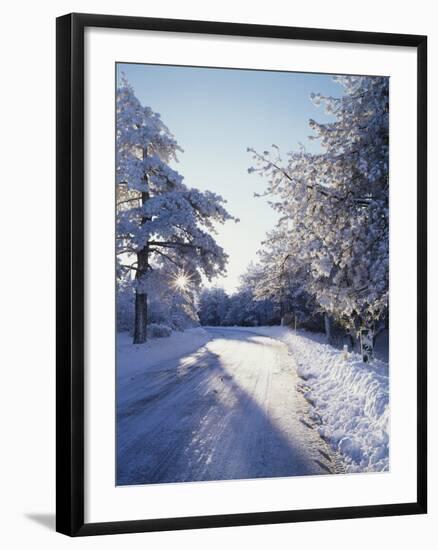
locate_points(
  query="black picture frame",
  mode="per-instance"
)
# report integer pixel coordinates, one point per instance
(70, 273)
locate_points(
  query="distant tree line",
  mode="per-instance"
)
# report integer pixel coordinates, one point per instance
(247, 307)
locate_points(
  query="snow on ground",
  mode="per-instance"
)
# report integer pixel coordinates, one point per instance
(142, 357)
(228, 410)
(191, 401)
(349, 398)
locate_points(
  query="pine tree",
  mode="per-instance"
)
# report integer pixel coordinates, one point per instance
(159, 218)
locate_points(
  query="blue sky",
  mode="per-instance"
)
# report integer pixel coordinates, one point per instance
(215, 114)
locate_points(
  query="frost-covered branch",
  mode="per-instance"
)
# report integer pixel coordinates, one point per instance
(333, 207)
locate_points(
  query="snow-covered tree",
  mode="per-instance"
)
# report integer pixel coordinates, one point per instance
(281, 278)
(172, 299)
(257, 304)
(245, 310)
(213, 306)
(334, 204)
(159, 219)
(241, 308)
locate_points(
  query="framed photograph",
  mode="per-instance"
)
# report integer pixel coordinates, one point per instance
(241, 274)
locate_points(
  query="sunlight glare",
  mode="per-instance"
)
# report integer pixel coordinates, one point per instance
(181, 281)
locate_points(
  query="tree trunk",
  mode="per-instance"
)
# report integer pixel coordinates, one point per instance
(141, 299)
(327, 326)
(366, 344)
(141, 318)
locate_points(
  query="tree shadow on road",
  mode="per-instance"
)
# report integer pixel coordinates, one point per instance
(206, 427)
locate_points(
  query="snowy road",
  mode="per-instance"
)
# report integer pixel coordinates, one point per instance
(228, 411)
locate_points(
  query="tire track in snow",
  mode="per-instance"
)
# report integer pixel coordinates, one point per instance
(229, 411)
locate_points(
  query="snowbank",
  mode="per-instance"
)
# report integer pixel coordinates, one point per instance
(349, 398)
(133, 358)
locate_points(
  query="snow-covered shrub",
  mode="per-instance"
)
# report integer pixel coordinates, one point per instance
(125, 309)
(158, 306)
(159, 331)
(181, 321)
